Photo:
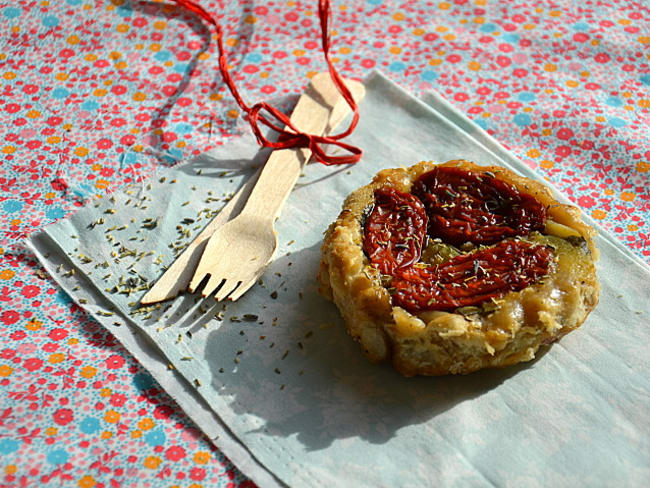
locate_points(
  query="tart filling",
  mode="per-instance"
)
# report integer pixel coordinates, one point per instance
(452, 268)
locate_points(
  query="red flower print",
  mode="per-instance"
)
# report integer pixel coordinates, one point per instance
(586, 201)
(503, 61)
(565, 134)
(18, 335)
(128, 140)
(118, 122)
(162, 412)
(12, 108)
(118, 400)
(30, 89)
(104, 143)
(30, 291)
(175, 453)
(32, 364)
(563, 151)
(580, 37)
(58, 184)
(602, 58)
(114, 362)
(119, 89)
(197, 474)
(63, 416)
(7, 353)
(139, 22)
(34, 144)
(50, 347)
(9, 317)
(58, 334)
(55, 120)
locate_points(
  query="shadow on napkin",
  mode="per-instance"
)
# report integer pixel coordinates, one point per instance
(323, 400)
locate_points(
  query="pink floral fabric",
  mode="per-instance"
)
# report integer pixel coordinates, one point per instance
(86, 84)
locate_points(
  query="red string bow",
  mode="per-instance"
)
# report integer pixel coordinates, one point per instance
(289, 135)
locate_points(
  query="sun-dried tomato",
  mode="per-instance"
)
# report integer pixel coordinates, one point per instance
(457, 206)
(466, 206)
(395, 230)
(470, 279)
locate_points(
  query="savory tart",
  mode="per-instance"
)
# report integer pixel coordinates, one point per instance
(455, 267)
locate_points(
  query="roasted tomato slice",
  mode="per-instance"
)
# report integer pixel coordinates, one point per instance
(395, 230)
(466, 206)
(472, 278)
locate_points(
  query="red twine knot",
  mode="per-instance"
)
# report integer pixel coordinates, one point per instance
(289, 135)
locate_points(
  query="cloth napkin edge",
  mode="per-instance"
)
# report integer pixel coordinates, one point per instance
(130, 339)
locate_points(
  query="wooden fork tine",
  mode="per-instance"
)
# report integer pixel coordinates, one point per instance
(227, 288)
(212, 284)
(243, 288)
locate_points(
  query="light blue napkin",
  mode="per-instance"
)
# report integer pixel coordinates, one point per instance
(274, 380)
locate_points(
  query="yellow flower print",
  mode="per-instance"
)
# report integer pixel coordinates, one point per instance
(201, 457)
(86, 482)
(34, 324)
(5, 370)
(152, 462)
(146, 424)
(56, 358)
(88, 371)
(6, 274)
(111, 416)
(599, 214)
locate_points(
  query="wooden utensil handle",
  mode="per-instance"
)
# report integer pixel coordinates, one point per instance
(281, 171)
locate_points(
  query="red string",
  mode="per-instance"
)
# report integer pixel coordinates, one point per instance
(293, 137)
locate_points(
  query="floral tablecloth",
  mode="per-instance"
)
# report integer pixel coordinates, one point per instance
(85, 84)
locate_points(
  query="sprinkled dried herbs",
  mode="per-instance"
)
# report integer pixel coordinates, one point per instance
(150, 223)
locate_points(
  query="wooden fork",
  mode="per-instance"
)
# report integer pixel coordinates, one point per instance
(237, 253)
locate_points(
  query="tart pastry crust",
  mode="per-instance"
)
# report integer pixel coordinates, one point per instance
(504, 331)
